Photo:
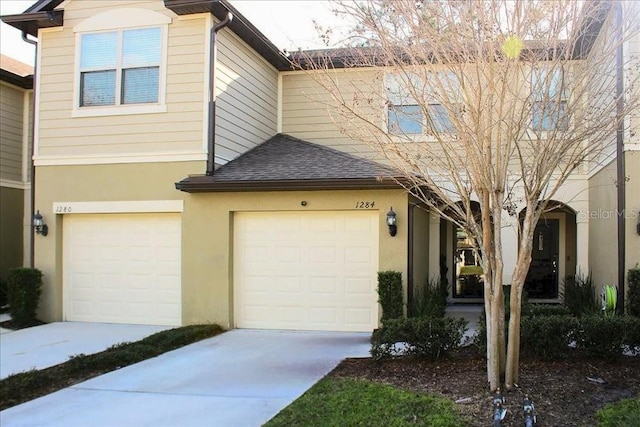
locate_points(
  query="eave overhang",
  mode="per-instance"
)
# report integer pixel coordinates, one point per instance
(207, 184)
(239, 25)
(30, 23)
(24, 82)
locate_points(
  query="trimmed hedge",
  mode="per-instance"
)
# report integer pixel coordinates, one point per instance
(548, 337)
(559, 337)
(390, 294)
(25, 287)
(426, 337)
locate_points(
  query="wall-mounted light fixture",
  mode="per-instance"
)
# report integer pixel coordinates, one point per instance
(638, 227)
(38, 224)
(391, 222)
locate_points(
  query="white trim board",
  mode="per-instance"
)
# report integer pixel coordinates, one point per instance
(137, 206)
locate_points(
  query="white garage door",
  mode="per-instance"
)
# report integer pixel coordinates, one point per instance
(306, 270)
(122, 268)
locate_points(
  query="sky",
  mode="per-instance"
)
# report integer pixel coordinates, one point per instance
(288, 24)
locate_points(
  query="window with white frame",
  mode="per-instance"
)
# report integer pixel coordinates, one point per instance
(549, 99)
(120, 67)
(408, 116)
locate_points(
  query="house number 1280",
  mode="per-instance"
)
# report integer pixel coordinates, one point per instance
(365, 205)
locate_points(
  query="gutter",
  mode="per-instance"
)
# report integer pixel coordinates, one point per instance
(32, 191)
(213, 60)
(620, 166)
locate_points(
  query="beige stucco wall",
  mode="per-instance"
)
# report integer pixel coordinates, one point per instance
(11, 217)
(208, 235)
(603, 246)
(632, 214)
(421, 273)
(124, 182)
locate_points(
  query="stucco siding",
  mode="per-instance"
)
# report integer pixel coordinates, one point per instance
(632, 211)
(247, 97)
(11, 131)
(93, 183)
(603, 247)
(11, 216)
(208, 290)
(179, 129)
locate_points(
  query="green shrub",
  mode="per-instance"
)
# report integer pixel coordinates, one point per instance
(430, 300)
(623, 413)
(548, 337)
(25, 286)
(390, 294)
(430, 338)
(633, 277)
(608, 336)
(545, 310)
(580, 295)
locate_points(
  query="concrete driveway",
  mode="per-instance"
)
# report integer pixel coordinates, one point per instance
(47, 345)
(239, 378)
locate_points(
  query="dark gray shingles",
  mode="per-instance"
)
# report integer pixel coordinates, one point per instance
(284, 157)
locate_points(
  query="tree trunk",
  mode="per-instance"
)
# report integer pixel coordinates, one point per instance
(517, 286)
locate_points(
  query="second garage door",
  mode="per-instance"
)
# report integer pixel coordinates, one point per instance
(122, 268)
(306, 270)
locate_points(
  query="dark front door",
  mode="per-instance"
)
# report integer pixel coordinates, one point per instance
(542, 279)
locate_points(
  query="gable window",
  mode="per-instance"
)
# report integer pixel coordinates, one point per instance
(120, 67)
(549, 100)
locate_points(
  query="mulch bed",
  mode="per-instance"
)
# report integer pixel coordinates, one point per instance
(565, 393)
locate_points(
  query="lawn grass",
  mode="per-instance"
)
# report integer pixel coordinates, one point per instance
(25, 386)
(623, 413)
(351, 402)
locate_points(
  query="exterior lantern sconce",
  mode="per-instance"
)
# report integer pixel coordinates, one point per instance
(391, 222)
(638, 227)
(38, 224)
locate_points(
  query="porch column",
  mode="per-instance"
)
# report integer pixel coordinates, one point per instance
(434, 245)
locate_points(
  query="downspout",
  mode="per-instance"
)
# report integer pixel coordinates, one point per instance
(620, 166)
(213, 59)
(32, 190)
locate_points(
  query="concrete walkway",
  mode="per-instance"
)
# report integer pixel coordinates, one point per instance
(240, 378)
(47, 345)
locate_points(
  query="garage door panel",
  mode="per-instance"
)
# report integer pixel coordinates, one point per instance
(307, 266)
(122, 268)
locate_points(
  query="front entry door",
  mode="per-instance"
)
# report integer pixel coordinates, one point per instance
(542, 279)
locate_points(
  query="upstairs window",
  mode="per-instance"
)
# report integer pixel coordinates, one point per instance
(120, 67)
(549, 100)
(408, 116)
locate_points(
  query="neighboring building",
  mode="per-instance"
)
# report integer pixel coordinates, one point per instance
(290, 230)
(16, 83)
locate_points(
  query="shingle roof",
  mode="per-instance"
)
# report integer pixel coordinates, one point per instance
(287, 163)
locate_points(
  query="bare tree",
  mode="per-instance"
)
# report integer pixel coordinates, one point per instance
(489, 102)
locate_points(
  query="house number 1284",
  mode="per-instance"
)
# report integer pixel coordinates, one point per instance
(365, 205)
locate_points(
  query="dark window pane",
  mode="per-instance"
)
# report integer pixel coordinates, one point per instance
(98, 88)
(405, 119)
(140, 85)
